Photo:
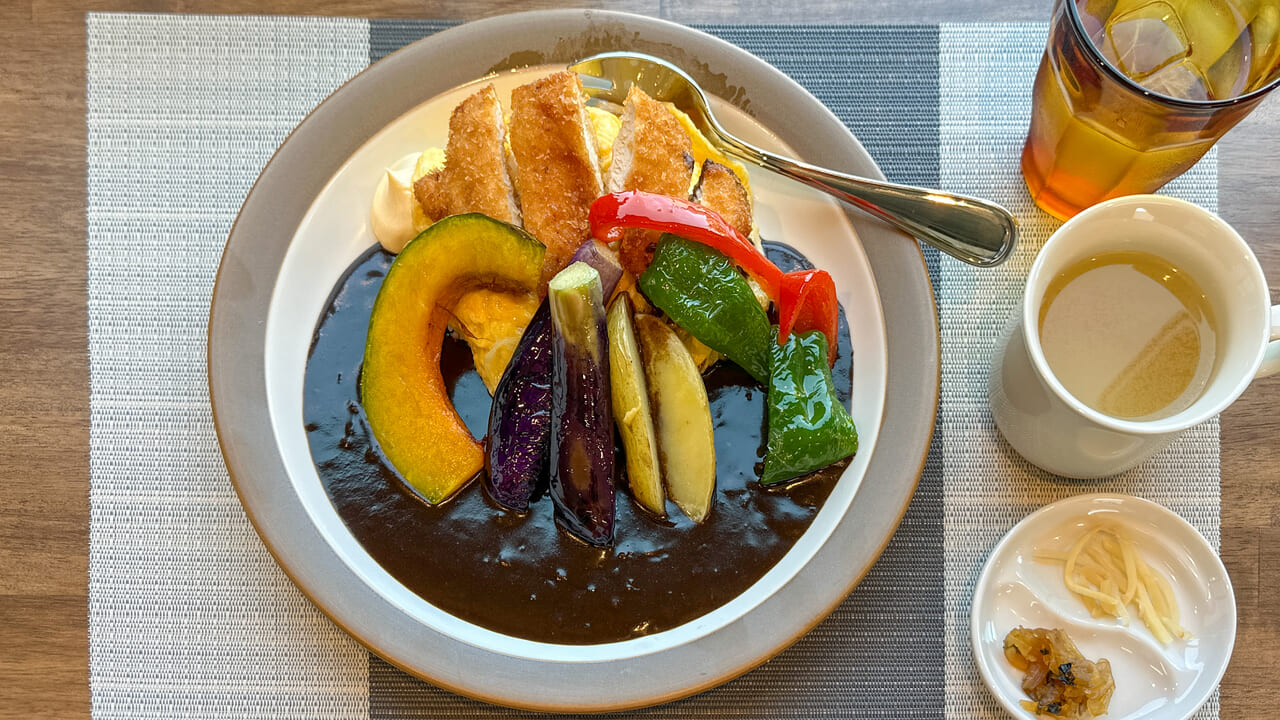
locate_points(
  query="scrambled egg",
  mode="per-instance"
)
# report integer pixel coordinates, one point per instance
(606, 126)
(703, 150)
(492, 321)
(431, 160)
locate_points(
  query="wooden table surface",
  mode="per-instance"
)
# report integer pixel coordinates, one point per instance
(44, 379)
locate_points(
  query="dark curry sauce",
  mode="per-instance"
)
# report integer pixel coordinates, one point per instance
(518, 574)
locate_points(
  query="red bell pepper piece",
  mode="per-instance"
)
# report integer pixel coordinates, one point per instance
(612, 213)
(807, 301)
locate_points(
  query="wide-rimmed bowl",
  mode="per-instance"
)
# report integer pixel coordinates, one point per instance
(306, 219)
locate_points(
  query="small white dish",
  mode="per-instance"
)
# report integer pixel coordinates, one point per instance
(1153, 682)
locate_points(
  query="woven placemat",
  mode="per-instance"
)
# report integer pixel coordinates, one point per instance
(985, 107)
(190, 616)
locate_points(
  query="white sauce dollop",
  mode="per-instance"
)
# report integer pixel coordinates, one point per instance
(391, 214)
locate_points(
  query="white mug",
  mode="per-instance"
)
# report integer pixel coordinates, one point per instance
(1057, 432)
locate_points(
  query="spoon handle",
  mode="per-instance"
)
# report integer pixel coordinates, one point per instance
(976, 231)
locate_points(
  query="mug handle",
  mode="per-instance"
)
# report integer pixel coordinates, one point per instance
(1271, 360)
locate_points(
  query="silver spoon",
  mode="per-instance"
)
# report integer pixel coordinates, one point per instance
(976, 231)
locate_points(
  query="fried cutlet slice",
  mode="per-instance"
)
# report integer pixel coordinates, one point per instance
(651, 153)
(558, 175)
(719, 189)
(430, 194)
(476, 177)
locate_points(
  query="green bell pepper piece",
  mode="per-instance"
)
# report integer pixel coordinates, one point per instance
(703, 292)
(808, 426)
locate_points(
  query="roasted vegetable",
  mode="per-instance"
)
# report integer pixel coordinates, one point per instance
(702, 292)
(515, 460)
(401, 387)
(682, 416)
(631, 410)
(581, 416)
(611, 214)
(516, 448)
(604, 260)
(702, 355)
(808, 426)
(806, 300)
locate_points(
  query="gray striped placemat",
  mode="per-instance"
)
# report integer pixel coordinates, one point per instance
(189, 615)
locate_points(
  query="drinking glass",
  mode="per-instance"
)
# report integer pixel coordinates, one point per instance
(1131, 93)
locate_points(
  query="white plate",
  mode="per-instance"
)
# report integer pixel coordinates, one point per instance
(1153, 681)
(306, 219)
(336, 231)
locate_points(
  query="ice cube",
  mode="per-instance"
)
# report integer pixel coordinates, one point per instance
(1181, 80)
(1142, 40)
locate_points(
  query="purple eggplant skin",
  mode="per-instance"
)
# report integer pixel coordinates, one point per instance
(516, 447)
(604, 260)
(582, 483)
(518, 441)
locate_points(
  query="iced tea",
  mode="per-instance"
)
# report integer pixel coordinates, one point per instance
(1131, 93)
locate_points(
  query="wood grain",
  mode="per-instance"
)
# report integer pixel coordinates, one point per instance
(44, 382)
(854, 11)
(1248, 171)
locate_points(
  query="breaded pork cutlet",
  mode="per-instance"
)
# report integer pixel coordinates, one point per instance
(430, 194)
(720, 189)
(476, 177)
(651, 153)
(558, 170)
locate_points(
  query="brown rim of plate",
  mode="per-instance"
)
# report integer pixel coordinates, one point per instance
(251, 262)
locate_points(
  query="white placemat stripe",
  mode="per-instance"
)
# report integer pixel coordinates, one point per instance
(986, 74)
(189, 616)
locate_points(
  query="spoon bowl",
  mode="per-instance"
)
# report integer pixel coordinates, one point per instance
(976, 231)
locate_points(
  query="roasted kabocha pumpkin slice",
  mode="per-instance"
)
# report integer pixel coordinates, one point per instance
(401, 388)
